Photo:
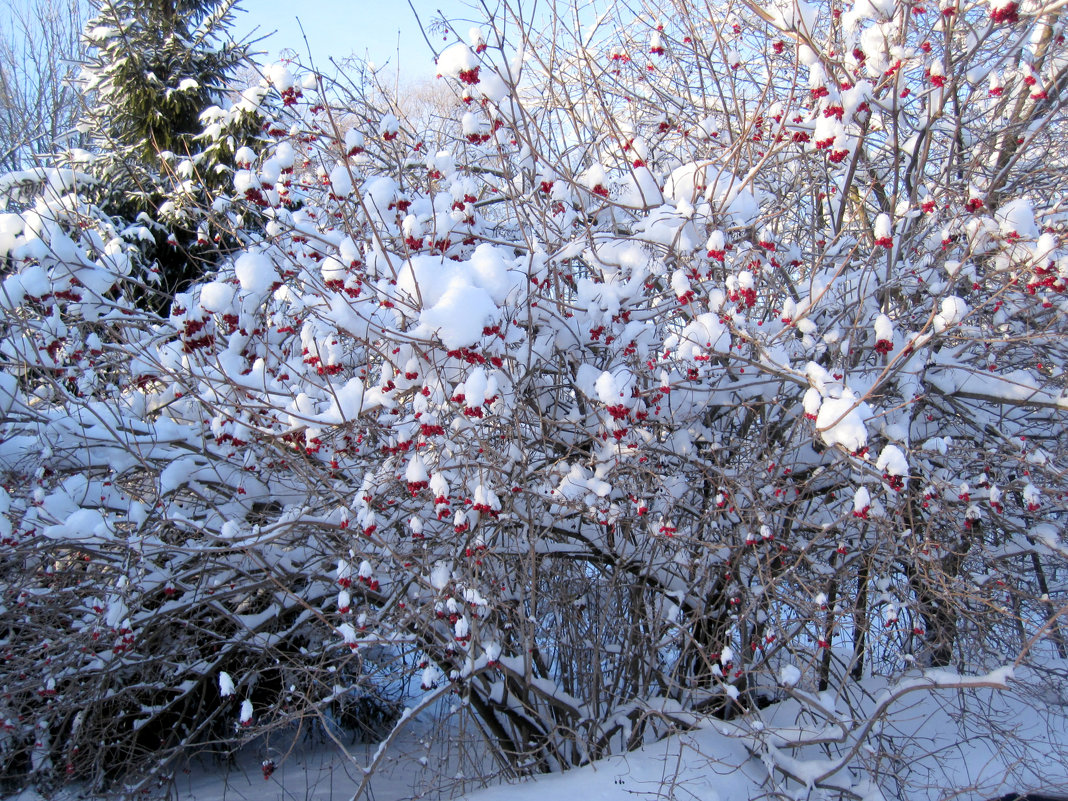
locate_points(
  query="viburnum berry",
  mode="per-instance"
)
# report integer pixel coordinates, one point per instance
(1007, 14)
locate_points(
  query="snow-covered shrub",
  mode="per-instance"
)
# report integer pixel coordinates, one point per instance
(679, 379)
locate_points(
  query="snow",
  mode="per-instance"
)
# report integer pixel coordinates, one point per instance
(484, 280)
(689, 182)
(388, 125)
(56, 180)
(431, 677)
(789, 675)
(790, 15)
(1031, 496)
(640, 189)
(884, 329)
(441, 575)
(1007, 386)
(728, 193)
(416, 470)
(470, 124)
(460, 314)
(216, 296)
(244, 157)
(892, 461)
(333, 270)
(341, 180)
(280, 76)
(456, 58)
(861, 500)
(8, 393)
(353, 139)
(255, 272)
(839, 422)
(953, 310)
(607, 389)
(83, 524)
(580, 483)
(346, 403)
(666, 225)
(348, 634)
(226, 684)
(595, 176)
(490, 269)
(868, 10)
(717, 760)
(883, 227)
(704, 335)
(1018, 217)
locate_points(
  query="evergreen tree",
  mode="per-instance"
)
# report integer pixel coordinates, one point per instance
(156, 79)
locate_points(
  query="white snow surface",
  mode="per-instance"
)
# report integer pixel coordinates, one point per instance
(953, 311)
(460, 314)
(1018, 217)
(456, 58)
(933, 727)
(893, 461)
(216, 296)
(840, 422)
(884, 329)
(459, 299)
(226, 684)
(255, 272)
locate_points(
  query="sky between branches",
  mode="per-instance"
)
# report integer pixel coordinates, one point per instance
(383, 33)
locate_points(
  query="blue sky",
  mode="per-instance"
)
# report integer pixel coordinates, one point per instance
(336, 28)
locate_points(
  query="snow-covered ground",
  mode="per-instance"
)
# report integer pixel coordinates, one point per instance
(932, 744)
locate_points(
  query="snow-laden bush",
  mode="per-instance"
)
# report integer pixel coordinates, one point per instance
(707, 362)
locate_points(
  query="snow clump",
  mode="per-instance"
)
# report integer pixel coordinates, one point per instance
(840, 423)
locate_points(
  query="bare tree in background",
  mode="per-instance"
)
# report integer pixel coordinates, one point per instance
(39, 53)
